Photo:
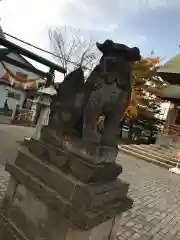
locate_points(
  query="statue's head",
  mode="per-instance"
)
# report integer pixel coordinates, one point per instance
(111, 49)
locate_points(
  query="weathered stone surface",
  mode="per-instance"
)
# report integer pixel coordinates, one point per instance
(80, 194)
(29, 213)
(115, 228)
(162, 194)
(101, 232)
(56, 228)
(55, 178)
(96, 195)
(90, 152)
(106, 91)
(96, 216)
(47, 194)
(8, 231)
(89, 173)
(76, 212)
(69, 180)
(9, 196)
(59, 230)
(36, 219)
(74, 164)
(46, 199)
(48, 153)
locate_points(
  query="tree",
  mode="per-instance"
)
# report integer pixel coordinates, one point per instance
(145, 105)
(72, 49)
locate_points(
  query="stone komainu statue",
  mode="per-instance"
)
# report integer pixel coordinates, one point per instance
(106, 92)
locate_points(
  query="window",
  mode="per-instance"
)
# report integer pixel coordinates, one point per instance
(14, 95)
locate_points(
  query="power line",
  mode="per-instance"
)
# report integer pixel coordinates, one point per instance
(27, 43)
(41, 49)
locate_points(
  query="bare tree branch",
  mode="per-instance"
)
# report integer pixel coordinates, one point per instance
(73, 49)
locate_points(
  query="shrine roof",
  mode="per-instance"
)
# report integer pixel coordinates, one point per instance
(17, 77)
(170, 71)
(170, 93)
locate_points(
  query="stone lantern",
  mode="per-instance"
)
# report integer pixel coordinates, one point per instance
(44, 101)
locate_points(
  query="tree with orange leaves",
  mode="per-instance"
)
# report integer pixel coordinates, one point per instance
(145, 104)
(146, 84)
(143, 100)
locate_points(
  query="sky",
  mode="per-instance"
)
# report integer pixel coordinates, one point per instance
(151, 25)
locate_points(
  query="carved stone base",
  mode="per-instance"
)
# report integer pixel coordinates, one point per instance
(45, 202)
(8, 231)
(71, 163)
(91, 152)
(102, 232)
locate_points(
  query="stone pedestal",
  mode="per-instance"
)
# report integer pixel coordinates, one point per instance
(54, 195)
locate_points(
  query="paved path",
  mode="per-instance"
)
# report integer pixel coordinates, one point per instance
(5, 119)
(10, 137)
(156, 192)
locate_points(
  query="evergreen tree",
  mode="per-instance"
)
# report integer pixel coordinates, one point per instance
(145, 108)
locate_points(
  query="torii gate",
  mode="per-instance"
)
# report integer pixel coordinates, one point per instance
(49, 76)
(11, 47)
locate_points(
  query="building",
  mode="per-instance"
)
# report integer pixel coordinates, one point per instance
(170, 73)
(16, 84)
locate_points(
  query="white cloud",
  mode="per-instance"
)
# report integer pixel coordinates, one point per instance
(105, 14)
(30, 19)
(168, 4)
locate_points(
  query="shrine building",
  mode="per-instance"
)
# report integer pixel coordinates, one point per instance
(170, 73)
